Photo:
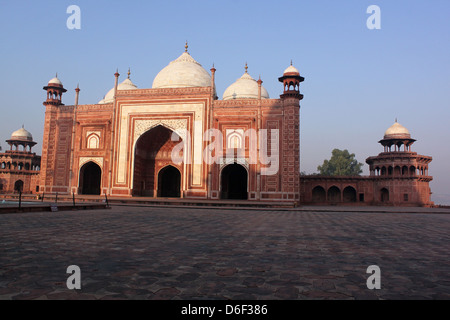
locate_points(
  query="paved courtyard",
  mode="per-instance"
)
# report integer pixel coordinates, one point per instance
(195, 253)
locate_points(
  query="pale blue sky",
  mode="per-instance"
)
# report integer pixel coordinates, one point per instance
(357, 80)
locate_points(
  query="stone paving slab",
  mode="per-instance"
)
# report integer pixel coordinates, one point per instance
(192, 253)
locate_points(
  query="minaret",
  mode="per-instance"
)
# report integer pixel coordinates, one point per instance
(290, 135)
(53, 147)
(291, 81)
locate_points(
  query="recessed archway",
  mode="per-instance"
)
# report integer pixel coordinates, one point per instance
(234, 181)
(349, 194)
(169, 182)
(319, 194)
(153, 150)
(90, 179)
(18, 186)
(334, 194)
(384, 195)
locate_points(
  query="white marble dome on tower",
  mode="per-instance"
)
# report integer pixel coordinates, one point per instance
(55, 80)
(183, 72)
(396, 131)
(291, 70)
(22, 135)
(244, 88)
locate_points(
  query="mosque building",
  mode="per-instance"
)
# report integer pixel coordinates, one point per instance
(179, 140)
(123, 145)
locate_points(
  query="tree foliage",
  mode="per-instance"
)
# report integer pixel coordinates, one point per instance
(341, 163)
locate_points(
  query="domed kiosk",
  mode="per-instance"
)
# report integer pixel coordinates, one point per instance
(19, 167)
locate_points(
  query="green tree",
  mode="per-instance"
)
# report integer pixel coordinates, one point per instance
(341, 163)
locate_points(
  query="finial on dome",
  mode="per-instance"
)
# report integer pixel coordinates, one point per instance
(56, 75)
(291, 62)
(395, 119)
(186, 47)
(23, 126)
(246, 67)
(129, 73)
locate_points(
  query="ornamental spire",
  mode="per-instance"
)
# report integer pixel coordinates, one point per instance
(186, 47)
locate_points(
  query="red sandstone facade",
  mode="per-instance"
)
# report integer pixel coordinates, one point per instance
(245, 146)
(19, 167)
(123, 148)
(397, 177)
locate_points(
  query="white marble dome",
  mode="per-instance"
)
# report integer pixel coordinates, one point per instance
(244, 88)
(182, 73)
(22, 135)
(127, 84)
(397, 131)
(55, 80)
(291, 70)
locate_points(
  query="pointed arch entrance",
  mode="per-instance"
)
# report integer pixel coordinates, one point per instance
(169, 182)
(152, 176)
(90, 179)
(384, 194)
(18, 186)
(234, 181)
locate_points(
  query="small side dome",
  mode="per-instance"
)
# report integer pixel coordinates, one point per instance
(244, 88)
(55, 81)
(21, 135)
(291, 70)
(397, 131)
(127, 84)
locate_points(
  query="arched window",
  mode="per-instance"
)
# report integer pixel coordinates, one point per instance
(234, 139)
(93, 142)
(404, 171)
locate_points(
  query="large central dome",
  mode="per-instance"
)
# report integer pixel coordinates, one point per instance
(182, 73)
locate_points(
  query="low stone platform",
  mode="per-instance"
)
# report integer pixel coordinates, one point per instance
(147, 252)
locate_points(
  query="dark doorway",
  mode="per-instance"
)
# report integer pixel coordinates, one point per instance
(18, 186)
(319, 194)
(234, 182)
(153, 150)
(90, 179)
(334, 194)
(349, 194)
(169, 182)
(384, 195)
